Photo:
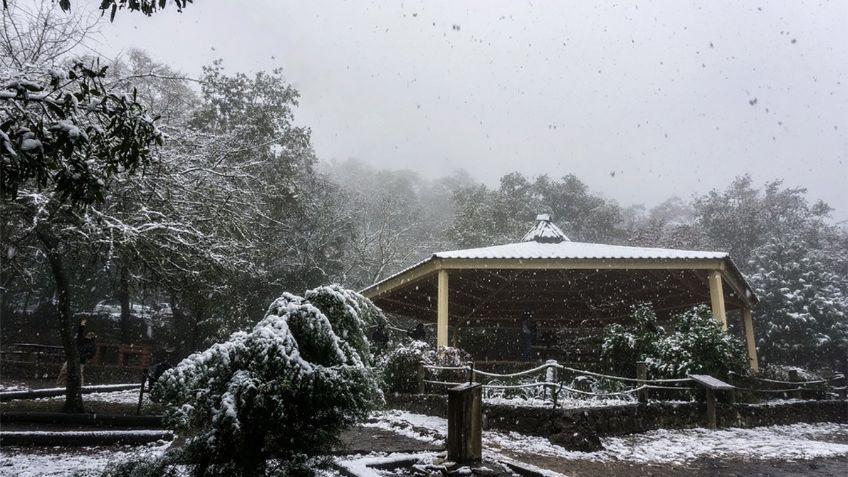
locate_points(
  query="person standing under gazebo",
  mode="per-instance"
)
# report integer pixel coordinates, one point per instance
(528, 336)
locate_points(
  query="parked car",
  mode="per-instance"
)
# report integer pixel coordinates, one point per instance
(163, 311)
(108, 307)
(112, 309)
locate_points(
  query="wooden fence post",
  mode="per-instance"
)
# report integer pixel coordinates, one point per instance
(793, 376)
(465, 424)
(711, 409)
(642, 377)
(420, 378)
(550, 377)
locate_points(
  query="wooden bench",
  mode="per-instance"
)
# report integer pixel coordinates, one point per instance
(711, 385)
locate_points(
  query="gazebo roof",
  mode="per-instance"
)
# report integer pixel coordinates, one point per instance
(558, 277)
(576, 251)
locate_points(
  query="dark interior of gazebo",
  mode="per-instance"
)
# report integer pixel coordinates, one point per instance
(567, 306)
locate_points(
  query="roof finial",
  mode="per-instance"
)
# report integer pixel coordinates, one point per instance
(544, 231)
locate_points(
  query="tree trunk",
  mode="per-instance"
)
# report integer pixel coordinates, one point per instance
(67, 330)
(124, 298)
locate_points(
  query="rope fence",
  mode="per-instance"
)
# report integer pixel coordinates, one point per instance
(552, 386)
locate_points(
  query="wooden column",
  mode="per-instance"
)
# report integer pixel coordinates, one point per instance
(442, 310)
(748, 323)
(717, 298)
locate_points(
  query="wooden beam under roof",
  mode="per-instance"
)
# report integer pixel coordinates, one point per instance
(434, 264)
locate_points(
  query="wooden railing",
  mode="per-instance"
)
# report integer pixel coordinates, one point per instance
(110, 354)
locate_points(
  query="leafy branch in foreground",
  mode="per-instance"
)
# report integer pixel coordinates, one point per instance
(64, 130)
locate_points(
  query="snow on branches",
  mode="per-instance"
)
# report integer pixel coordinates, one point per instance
(284, 389)
(803, 309)
(696, 344)
(66, 131)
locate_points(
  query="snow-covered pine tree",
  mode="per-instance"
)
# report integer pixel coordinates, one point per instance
(283, 390)
(802, 317)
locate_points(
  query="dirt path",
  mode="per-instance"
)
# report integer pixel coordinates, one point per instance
(363, 440)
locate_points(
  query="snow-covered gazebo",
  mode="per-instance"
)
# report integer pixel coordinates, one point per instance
(562, 282)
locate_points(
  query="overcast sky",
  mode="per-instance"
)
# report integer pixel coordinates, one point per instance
(640, 100)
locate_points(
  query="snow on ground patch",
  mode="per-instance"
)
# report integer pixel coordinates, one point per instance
(429, 429)
(678, 446)
(13, 386)
(116, 397)
(362, 466)
(56, 461)
(789, 442)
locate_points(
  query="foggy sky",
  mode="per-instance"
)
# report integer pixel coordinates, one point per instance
(641, 101)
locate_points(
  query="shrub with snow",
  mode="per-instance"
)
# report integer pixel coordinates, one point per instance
(400, 365)
(696, 344)
(283, 390)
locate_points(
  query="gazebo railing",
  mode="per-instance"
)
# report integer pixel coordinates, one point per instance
(796, 388)
(552, 387)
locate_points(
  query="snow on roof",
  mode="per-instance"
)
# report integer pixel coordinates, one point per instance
(576, 250)
(545, 241)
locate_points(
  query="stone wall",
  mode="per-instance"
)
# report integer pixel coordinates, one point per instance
(631, 418)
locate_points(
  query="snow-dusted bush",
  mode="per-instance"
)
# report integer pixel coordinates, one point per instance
(696, 344)
(283, 390)
(400, 365)
(624, 345)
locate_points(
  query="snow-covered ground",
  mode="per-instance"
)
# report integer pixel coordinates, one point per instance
(118, 397)
(8, 385)
(58, 461)
(789, 442)
(661, 447)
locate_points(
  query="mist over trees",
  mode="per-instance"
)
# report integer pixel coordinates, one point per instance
(206, 194)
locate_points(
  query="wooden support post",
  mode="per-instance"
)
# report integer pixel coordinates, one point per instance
(442, 310)
(717, 298)
(712, 421)
(421, 371)
(642, 376)
(465, 424)
(748, 322)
